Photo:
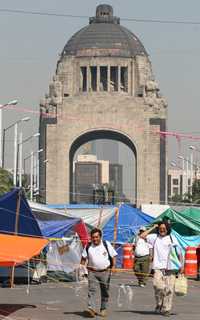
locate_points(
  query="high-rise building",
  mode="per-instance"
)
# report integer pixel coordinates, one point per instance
(87, 176)
(116, 179)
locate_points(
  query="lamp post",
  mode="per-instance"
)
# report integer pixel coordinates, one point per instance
(21, 142)
(15, 125)
(2, 106)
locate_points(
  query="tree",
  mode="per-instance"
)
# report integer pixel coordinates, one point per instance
(6, 181)
(196, 191)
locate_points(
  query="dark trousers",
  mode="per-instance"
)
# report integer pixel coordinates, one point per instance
(142, 268)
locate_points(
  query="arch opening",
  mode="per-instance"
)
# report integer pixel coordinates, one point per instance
(109, 176)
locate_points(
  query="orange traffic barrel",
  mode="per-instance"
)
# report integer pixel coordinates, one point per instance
(191, 261)
(128, 256)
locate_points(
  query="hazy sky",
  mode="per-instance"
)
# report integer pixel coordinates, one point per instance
(30, 45)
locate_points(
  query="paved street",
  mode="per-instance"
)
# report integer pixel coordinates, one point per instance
(67, 301)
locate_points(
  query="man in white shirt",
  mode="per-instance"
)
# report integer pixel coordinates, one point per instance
(165, 266)
(100, 257)
(142, 258)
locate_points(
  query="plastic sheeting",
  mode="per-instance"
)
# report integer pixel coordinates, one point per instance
(66, 259)
(16, 250)
(187, 241)
(92, 216)
(154, 210)
(27, 224)
(129, 221)
(63, 228)
(181, 222)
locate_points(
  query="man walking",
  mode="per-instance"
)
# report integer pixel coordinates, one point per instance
(142, 258)
(100, 257)
(167, 262)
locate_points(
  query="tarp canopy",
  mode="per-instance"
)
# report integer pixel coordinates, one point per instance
(187, 241)
(16, 249)
(129, 221)
(193, 213)
(181, 222)
(92, 215)
(10, 222)
(64, 228)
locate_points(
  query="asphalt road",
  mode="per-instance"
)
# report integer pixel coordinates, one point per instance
(58, 301)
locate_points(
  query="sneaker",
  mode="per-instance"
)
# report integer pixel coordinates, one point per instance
(158, 310)
(166, 313)
(91, 313)
(103, 313)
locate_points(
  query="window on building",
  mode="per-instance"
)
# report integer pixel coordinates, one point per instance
(124, 79)
(103, 79)
(113, 78)
(175, 190)
(175, 182)
(83, 79)
(93, 77)
(189, 182)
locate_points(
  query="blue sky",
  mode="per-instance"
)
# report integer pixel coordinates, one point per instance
(30, 46)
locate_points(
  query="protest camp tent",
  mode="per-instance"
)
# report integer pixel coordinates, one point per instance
(20, 235)
(181, 222)
(92, 215)
(187, 241)
(129, 221)
(57, 229)
(192, 212)
(16, 216)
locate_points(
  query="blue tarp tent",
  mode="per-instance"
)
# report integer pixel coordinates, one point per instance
(187, 241)
(27, 224)
(129, 221)
(57, 228)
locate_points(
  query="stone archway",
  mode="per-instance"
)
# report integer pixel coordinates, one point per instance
(96, 135)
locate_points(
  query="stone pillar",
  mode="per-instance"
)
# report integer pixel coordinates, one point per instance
(88, 79)
(119, 78)
(98, 78)
(108, 78)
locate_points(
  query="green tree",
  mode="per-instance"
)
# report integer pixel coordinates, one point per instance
(196, 191)
(6, 181)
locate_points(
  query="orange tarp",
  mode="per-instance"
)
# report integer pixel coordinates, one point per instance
(17, 249)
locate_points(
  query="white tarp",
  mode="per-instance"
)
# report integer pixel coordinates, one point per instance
(92, 216)
(66, 260)
(154, 210)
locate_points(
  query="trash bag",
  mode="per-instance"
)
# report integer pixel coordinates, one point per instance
(181, 285)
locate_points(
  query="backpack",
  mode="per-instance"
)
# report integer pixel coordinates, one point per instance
(106, 247)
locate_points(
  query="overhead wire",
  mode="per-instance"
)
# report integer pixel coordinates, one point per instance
(67, 15)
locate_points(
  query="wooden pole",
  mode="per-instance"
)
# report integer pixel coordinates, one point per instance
(100, 217)
(116, 225)
(16, 232)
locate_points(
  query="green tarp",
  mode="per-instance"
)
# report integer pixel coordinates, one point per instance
(186, 223)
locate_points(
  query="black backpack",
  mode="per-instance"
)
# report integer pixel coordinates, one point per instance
(106, 246)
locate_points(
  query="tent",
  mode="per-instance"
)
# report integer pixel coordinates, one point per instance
(187, 241)
(64, 228)
(17, 250)
(129, 221)
(92, 215)
(16, 216)
(183, 223)
(193, 213)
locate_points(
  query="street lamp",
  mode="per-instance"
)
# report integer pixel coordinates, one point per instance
(2, 106)
(15, 125)
(19, 151)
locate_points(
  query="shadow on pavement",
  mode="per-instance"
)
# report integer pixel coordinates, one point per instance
(144, 312)
(137, 312)
(83, 314)
(7, 309)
